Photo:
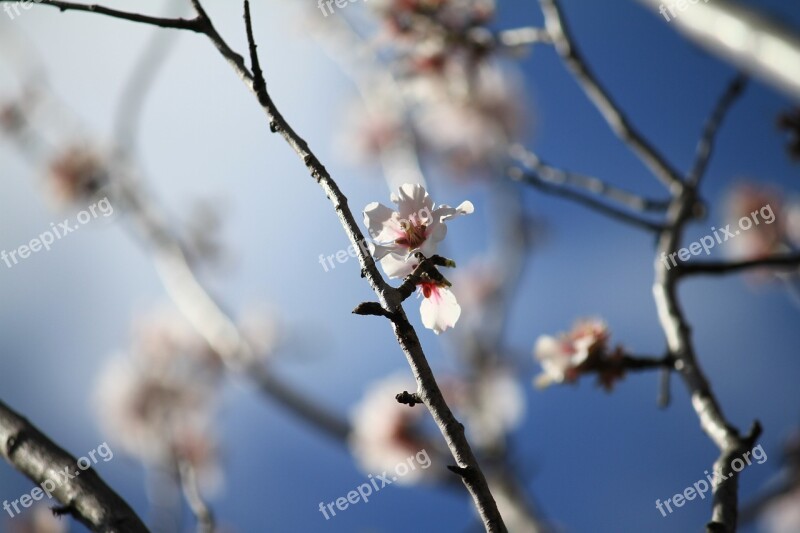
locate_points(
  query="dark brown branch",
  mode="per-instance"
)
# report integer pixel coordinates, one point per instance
(611, 111)
(719, 268)
(175, 23)
(533, 179)
(705, 146)
(86, 497)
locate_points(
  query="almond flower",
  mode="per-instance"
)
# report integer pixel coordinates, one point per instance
(417, 226)
(562, 358)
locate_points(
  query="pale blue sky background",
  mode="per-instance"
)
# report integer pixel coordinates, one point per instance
(597, 461)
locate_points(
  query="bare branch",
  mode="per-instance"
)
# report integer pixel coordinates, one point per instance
(619, 123)
(176, 23)
(85, 496)
(430, 394)
(705, 146)
(535, 180)
(779, 262)
(591, 184)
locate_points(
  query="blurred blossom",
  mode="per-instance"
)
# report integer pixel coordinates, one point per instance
(563, 357)
(472, 128)
(76, 174)
(492, 405)
(40, 519)
(783, 515)
(417, 226)
(367, 134)
(437, 30)
(385, 432)
(158, 402)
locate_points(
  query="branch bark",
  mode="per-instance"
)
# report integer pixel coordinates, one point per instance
(86, 497)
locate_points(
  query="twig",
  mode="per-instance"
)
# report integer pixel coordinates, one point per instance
(619, 123)
(780, 262)
(535, 180)
(176, 23)
(85, 496)
(705, 146)
(591, 184)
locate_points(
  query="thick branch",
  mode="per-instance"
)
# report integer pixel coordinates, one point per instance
(86, 497)
(616, 119)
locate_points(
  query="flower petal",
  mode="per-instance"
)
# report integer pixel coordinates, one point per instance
(440, 311)
(411, 199)
(382, 222)
(398, 266)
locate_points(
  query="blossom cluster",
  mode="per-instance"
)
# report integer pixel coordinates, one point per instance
(582, 349)
(415, 229)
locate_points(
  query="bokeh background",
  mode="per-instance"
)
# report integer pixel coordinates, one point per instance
(594, 461)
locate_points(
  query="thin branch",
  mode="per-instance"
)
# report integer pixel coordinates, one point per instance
(705, 146)
(523, 37)
(591, 184)
(535, 180)
(616, 119)
(175, 23)
(83, 494)
(779, 262)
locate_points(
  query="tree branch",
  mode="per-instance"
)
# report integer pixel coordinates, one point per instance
(535, 180)
(175, 23)
(616, 119)
(430, 394)
(705, 146)
(782, 262)
(86, 497)
(557, 176)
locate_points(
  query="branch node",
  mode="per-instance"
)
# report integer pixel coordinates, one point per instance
(408, 398)
(464, 472)
(371, 309)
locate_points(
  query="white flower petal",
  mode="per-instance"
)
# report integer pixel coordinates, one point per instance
(382, 223)
(412, 199)
(397, 266)
(440, 310)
